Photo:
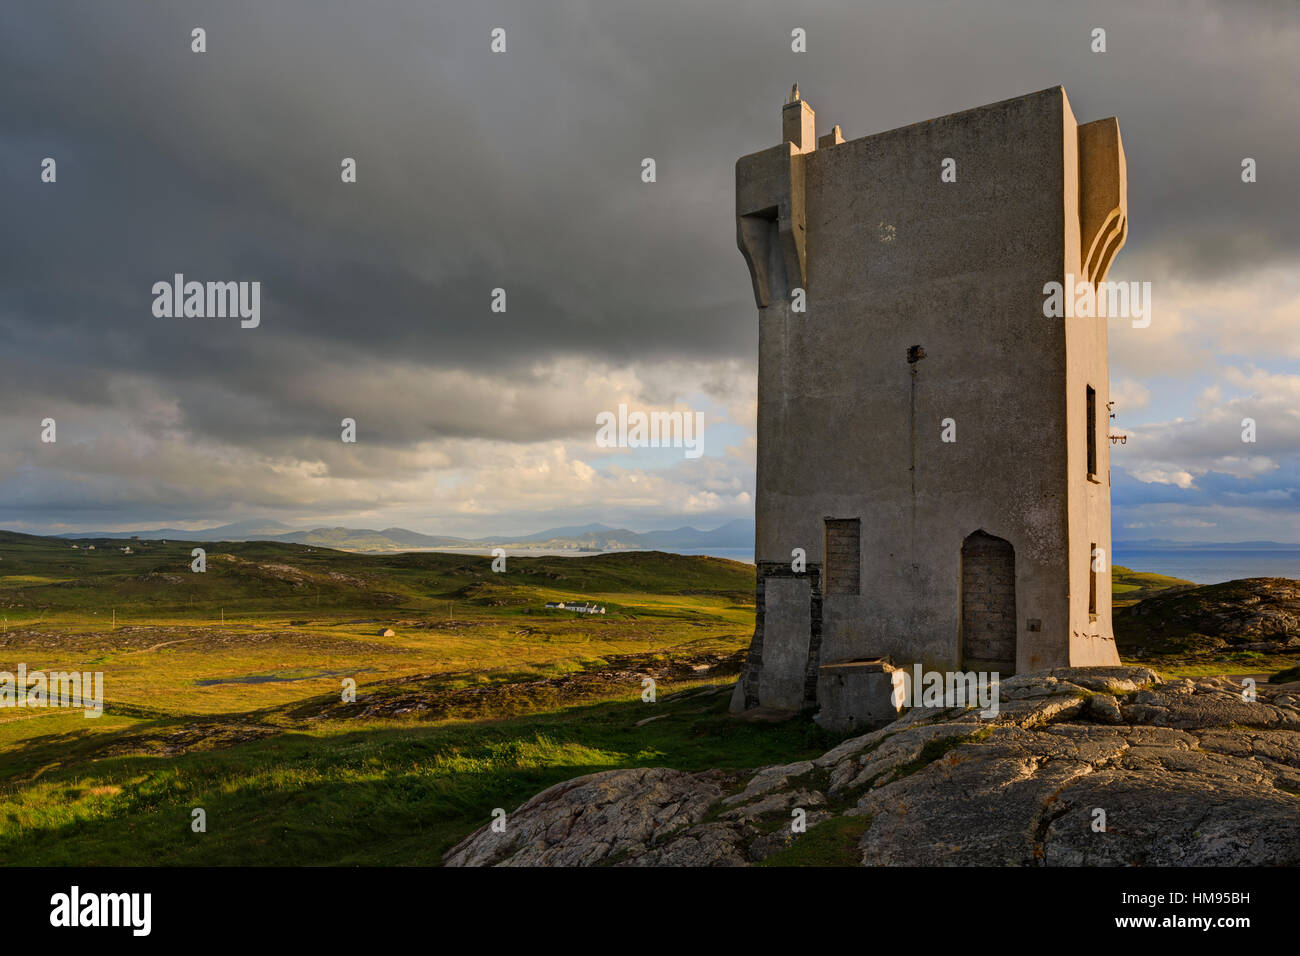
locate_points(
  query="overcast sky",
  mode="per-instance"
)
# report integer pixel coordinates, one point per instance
(522, 170)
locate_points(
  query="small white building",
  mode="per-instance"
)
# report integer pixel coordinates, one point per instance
(578, 608)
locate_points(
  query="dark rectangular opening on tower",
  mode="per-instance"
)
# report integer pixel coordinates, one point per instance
(1092, 432)
(843, 555)
(1092, 578)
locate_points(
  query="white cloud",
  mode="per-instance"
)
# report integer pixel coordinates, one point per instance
(521, 446)
(1251, 313)
(1182, 450)
(1129, 395)
(1165, 476)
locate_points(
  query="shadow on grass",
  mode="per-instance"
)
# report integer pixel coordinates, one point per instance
(383, 795)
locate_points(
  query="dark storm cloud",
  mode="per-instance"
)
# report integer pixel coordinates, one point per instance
(522, 171)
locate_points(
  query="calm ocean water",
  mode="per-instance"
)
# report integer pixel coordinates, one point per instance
(1210, 565)
(1202, 565)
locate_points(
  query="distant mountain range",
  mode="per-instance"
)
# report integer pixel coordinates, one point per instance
(591, 537)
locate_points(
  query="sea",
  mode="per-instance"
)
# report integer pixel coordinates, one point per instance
(1210, 565)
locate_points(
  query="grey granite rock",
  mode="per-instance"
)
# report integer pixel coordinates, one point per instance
(1091, 766)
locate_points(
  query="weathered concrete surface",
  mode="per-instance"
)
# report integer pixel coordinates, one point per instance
(859, 695)
(1186, 772)
(788, 604)
(890, 257)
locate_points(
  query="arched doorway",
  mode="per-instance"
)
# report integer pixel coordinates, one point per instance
(988, 604)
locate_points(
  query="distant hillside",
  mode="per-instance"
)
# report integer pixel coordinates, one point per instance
(256, 529)
(1129, 586)
(733, 534)
(577, 532)
(592, 537)
(155, 579)
(365, 539)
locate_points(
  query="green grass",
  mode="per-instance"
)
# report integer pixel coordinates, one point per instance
(832, 842)
(162, 634)
(380, 794)
(1128, 586)
(286, 772)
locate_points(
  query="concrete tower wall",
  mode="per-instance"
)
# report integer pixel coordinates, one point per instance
(891, 257)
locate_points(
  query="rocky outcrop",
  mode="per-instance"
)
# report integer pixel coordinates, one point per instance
(1086, 766)
(1253, 614)
(599, 818)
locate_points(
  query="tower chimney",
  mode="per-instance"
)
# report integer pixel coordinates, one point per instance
(798, 123)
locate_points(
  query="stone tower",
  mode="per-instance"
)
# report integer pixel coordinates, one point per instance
(932, 443)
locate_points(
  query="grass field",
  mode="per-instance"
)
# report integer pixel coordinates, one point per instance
(223, 692)
(1128, 586)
